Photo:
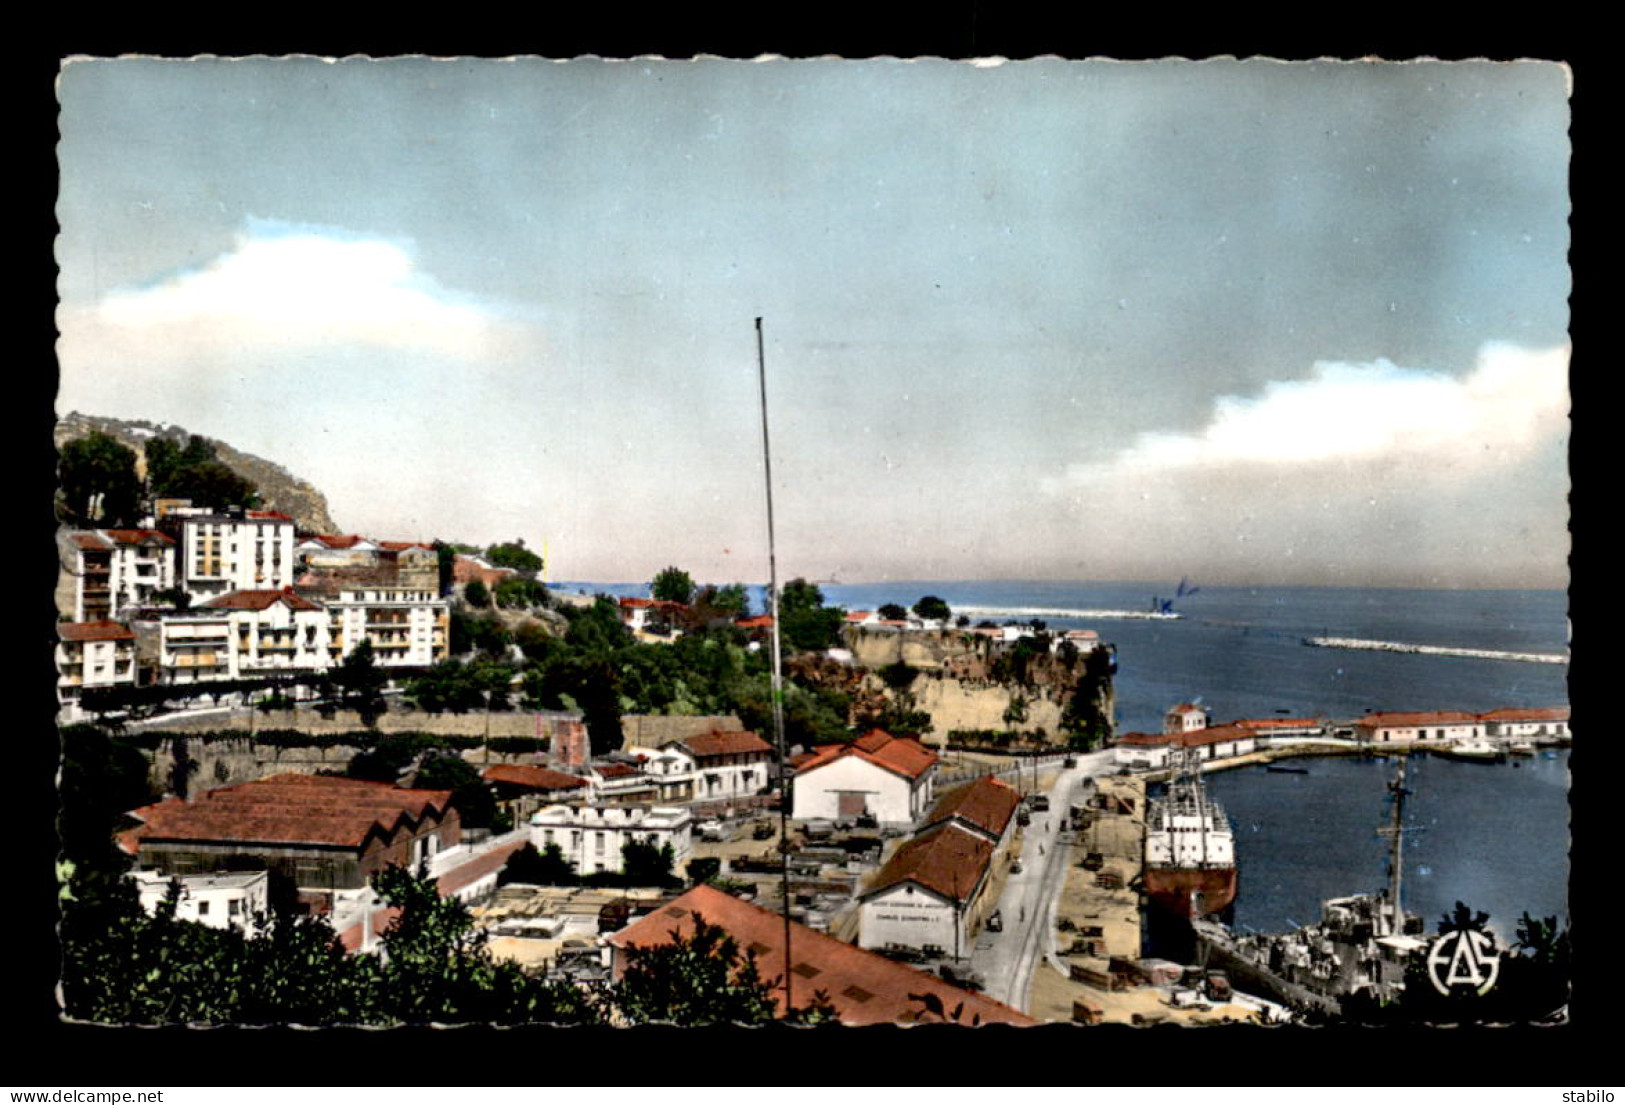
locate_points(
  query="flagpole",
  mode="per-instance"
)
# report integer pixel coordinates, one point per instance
(778, 671)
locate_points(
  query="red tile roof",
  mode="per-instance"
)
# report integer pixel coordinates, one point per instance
(259, 600)
(94, 631)
(532, 777)
(290, 809)
(986, 803)
(1425, 717)
(90, 541)
(948, 859)
(724, 743)
(1279, 722)
(139, 536)
(270, 515)
(1213, 734)
(899, 755)
(402, 546)
(615, 771)
(1147, 739)
(1527, 713)
(761, 621)
(865, 988)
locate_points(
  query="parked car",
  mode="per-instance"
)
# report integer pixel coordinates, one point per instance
(995, 921)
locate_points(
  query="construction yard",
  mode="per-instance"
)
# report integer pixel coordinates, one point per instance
(1098, 975)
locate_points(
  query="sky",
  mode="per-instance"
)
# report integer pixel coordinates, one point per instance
(1248, 322)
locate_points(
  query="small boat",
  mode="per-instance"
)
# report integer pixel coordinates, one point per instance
(1472, 751)
(1286, 770)
(1521, 748)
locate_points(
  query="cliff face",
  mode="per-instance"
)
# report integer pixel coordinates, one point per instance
(280, 489)
(959, 684)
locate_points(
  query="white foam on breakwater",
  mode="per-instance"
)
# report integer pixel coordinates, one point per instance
(1436, 650)
(1047, 612)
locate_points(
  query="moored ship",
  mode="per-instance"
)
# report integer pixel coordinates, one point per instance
(1362, 943)
(1190, 849)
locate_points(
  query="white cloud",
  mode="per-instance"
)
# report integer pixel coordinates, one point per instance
(1514, 401)
(1370, 473)
(286, 285)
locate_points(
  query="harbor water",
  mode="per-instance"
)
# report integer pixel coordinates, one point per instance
(1492, 835)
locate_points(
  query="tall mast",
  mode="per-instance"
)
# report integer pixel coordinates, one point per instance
(785, 782)
(1398, 861)
(1396, 856)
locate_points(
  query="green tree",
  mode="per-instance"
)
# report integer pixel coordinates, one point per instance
(703, 979)
(544, 868)
(643, 864)
(704, 869)
(1086, 718)
(97, 482)
(932, 608)
(361, 684)
(438, 968)
(195, 472)
(519, 593)
(387, 760)
(101, 779)
(892, 612)
(477, 595)
(445, 770)
(673, 585)
(445, 566)
(513, 554)
(806, 624)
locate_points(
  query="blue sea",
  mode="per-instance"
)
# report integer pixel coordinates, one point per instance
(1493, 836)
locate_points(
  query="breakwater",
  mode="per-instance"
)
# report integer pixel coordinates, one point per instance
(1016, 612)
(1435, 650)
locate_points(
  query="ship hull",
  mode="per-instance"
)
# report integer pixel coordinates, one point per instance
(1174, 888)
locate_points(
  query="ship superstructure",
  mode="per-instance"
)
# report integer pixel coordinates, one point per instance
(1190, 849)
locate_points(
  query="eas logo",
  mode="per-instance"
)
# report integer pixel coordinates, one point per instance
(1464, 959)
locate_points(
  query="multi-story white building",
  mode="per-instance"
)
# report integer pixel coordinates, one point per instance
(244, 633)
(85, 580)
(592, 837)
(408, 626)
(91, 654)
(225, 900)
(724, 764)
(248, 551)
(110, 573)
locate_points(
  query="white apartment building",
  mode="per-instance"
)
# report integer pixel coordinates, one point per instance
(220, 900)
(591, 837)
(91, 654)
(248, 551)
(109, 573)
(407, 626)
(244, 633)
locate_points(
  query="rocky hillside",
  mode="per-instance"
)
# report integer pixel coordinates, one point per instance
(280, 489)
